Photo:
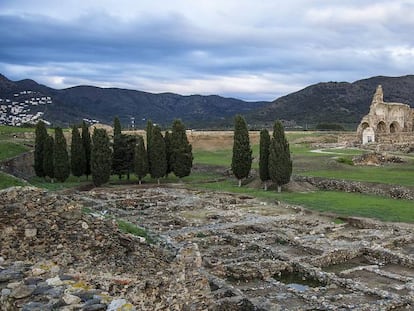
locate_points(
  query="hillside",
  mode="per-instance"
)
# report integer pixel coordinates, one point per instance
(73, 104)
(332, 102)
(339, 102)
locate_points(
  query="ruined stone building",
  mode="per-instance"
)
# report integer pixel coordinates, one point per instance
(386, 122)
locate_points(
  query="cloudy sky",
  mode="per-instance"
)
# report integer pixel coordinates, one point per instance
(252, 50)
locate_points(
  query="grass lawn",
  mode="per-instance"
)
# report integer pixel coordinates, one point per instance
(354, 204)
(9, 181)
(9, 131)
(397, 174)
(219, 157)
(9, 150)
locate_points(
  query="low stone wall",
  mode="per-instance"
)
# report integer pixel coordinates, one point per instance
(403, 141)
(403, 137)
(350, 139)
(393, 191)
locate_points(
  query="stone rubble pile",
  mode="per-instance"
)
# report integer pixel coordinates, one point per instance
(53, 256)
(376, 159)
(396, 192)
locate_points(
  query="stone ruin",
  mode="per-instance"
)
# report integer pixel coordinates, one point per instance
(54, 256)
(213, 251)
(386, 123)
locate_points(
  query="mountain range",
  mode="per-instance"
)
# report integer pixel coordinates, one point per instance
(329, 102)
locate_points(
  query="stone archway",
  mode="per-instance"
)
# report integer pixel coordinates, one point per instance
(381, 127)
(395, 127)
(364, 125)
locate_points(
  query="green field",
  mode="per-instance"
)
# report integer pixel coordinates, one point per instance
(9, 181)
(10, 131)
(396, 174)
(219, 157)
(10, 150)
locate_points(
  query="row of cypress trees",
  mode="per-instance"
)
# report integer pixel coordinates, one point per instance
(51, 158)
(171, 153)
(275, 163)
(99, 158)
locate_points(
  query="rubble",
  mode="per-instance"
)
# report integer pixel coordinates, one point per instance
(263, 256)
(214, 251)
(376, 159)
(392, 191)
(56, 257)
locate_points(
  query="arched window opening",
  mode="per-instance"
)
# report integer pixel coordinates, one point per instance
(364, 125)
(381, 127)
(394, 128)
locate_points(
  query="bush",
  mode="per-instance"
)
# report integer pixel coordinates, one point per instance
(343, 160)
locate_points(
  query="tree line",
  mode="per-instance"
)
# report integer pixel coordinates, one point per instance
(99, 157)
(275, 163)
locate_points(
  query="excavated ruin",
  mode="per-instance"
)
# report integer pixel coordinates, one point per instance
(213, 251)
(265, 256)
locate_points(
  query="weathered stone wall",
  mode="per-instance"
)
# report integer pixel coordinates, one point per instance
(404, 137)
(396, 192)
(386, 122)
(350, 139)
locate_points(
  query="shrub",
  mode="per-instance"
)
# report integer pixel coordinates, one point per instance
(344, 160)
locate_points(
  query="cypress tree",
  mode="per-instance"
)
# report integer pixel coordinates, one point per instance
(77, 154)
(280, 164)
(168, 151)
(140, 159)
(241, 162)
(86, 141)
(130, 142)
(264, 157)
(117, 127)
(181, 158)
(119, 150)
(149, 129)
(118, 155)
(48, 158)
(61, 158)
(157, 158)
(123, 155)
(41, 135)
(101, 156)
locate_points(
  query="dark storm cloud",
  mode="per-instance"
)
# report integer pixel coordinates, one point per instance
(239, 48)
